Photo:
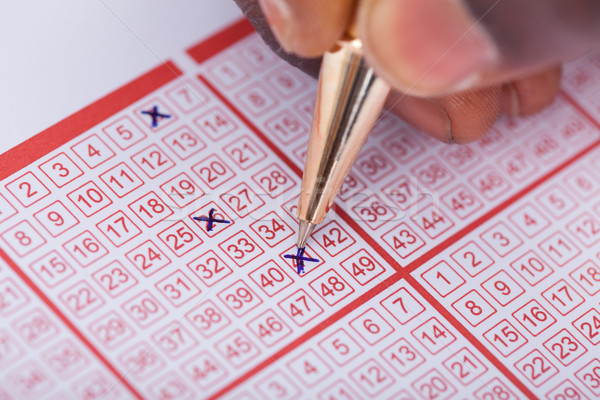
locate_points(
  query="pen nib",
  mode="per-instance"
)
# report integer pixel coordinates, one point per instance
(304, 231)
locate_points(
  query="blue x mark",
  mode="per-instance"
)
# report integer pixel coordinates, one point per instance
(155, 115)
(299, 259)
(210, 220)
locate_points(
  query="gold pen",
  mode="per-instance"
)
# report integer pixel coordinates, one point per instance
(349, 100)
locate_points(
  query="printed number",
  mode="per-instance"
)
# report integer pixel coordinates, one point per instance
(372, 378)
(124, 133)
(269, 328)
(207, 318)
(465, 366)
(402, 305)
(333, 238)
(209, 268)
(144, 309)
(114, 278)
(52, 269)
(121, 180)
(564, 347)
(371, 326)
(300, 307)
(184, 142)
(213, 171)
(586, 229)
(562, 297)
(340, 347)
(85, 249)
(331, 287)
(434, 385)
(241, 248)
(433, 336)
(286, 127)
(501, 239)
(187, 96)
(587, 277)
(474, 308)
(433, 222)
(89, 199)
(531, 268)
(505, 338)
(23, 238)
(589, 326)
(503, 288)
(273, 180)
(560, 249)
(242, 200)
(61, 170)
(56, 219)
(153, 161)
(177, 288)
(244, 152)
(118, 228)
(590, 376)
(374, 165)
(536, 368)
(215, 124)
(81, 299)
(236, 348)
(182, 190)
(272, 229)
(179, 238)
(442, 278)
(35, 327)
(402, 356)
(175, 341)
(462, 201)
(271, 278)
(403, 240)
(534, 318)
(27, 189)
(11, 297)
(362, 267)
(148, 258)
(93, 151)
(150, 209)
(239, 298)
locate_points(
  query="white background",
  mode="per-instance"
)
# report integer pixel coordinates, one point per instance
(59, 56)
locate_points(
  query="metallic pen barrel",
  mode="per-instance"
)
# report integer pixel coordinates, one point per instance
(349, 99)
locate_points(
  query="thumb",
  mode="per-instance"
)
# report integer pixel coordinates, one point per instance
(307, 28)
(425, 47)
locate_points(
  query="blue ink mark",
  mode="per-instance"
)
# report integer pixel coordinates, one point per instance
(155, 115)
(210, 220)
(299, 259)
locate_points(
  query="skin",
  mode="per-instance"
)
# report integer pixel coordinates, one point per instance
(452, 88)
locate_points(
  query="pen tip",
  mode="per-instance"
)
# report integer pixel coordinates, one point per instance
(304, 231)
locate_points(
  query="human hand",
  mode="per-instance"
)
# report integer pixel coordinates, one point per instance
(455, 66)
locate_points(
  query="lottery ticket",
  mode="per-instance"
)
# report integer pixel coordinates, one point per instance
(148, 248)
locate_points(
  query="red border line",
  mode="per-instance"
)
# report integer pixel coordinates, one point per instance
(401, 272)
(220, 40)
(67, 322)
(60, 133)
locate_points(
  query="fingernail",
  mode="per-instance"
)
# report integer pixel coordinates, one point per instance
(510, 101)
(426, 115)
(426, 47)
(279, 16)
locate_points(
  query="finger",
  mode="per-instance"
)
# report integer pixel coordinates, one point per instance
(531, 94)
(425, 47)
(460, 118)
(252, 11)
(307, 27)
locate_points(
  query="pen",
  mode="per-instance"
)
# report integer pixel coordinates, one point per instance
(349, 99)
